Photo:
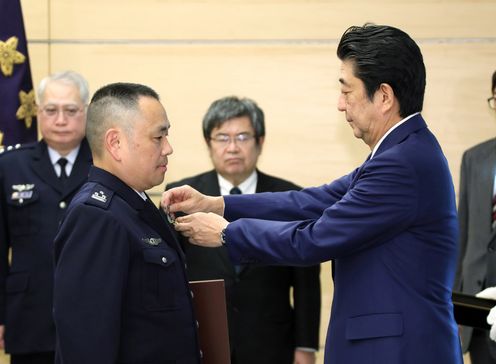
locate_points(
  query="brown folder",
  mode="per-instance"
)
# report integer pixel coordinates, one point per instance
(471, 311)
(209, 302)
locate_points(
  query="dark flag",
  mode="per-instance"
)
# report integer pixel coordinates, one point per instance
(17, 98)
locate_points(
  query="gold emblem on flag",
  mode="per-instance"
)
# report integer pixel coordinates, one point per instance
(9, 55)
(28, 108)
(1, 140)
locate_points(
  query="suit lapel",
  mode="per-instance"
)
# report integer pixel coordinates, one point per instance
(42, 166)
(484, 191)
(79, 173)
(208, 184)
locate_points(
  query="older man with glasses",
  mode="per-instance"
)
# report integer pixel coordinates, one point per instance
(477, 216)
(264, 327)
(37, 182)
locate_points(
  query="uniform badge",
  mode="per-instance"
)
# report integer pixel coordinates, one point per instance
(152, 241)
(22, 192)
(100, 196)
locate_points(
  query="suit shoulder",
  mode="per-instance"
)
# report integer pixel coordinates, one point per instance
(483, 147)
(276, 183)
(16, 151)
(192, 181)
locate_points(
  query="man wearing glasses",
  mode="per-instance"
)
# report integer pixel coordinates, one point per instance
(37, 182)
(477, 217)
(263, 326)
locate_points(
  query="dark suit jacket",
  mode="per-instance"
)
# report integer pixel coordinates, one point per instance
(477, 260)
(391, 228)
(263, 327)
(32, 203)
(120, 292)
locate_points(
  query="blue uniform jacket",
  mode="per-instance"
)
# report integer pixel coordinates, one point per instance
(120, 293)
(391, 228)
(32, 203)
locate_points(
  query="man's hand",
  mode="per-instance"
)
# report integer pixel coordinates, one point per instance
(189, 200)
(202, 228)
(304, 357)
(2, 342)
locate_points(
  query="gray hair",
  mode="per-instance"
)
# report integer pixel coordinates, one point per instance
(231, 107)
(67, 77)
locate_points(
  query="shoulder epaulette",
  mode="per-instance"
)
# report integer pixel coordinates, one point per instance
(4, 149)
(100, 197)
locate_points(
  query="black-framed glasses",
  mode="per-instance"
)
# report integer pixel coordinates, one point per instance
(224, 139)
(492, 102)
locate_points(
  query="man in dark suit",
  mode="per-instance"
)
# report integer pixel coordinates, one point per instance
(390, 225)
(120, 292)
(37, 182)
(477, 217)
(264, 327)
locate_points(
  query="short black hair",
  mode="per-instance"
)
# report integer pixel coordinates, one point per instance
(125, 92)
(111, 104)
(384, 54)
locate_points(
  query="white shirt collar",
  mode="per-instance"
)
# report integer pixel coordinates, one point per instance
(249, 185)
(389, 132)
(141, 194)
(71, 159)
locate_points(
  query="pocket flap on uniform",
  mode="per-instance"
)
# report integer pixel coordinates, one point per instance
(17, 282)
(376, 325)
(161, 257)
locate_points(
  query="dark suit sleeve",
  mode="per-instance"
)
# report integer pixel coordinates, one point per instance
(91, 266)
(462, 219)
(306, 298)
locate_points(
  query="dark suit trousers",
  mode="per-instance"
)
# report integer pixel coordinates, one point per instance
(479, 348)
(37, 358)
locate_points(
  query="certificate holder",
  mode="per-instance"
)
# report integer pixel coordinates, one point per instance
(209, 303)
(472, 311)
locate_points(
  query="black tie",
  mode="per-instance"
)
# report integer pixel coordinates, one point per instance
(62, 162)
(236, 191)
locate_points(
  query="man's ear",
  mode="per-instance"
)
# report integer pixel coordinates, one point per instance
(260, 144)
(387, 100)
(113, 142)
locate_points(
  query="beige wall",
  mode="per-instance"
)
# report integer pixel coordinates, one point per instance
(282, 54)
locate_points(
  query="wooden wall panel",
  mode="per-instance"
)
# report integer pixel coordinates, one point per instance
(290, 19)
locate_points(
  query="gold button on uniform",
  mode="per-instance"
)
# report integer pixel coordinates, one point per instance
(62, 204)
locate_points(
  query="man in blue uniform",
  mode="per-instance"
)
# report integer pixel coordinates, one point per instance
(390, 225)
(121, 293)
(37, 182)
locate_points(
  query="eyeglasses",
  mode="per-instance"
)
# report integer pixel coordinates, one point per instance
(69, 111)
(492, 102)
(239, 139)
